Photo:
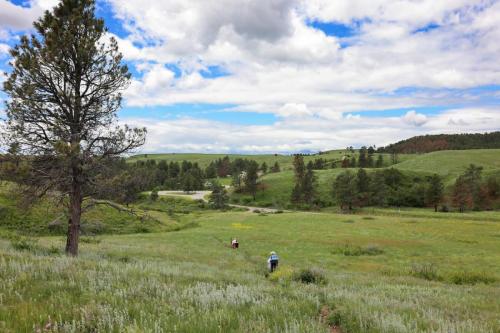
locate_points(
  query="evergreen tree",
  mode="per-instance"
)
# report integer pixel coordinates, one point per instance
(263, 167)
(224, 167)
(493, 187)
(251, 178)
(211, 171)
(218, 198)
(299, 171)
(154, 195)
(65, 90)
(380, 161)
(378, 189)
(362, 160)
(345, 190)
(363, 187)
(188, 182)
(435, 191)
(352, 162)
(173, 170)
(276, 167)
(472, 177)
(161, 173)
(461, 195)
(296, 196)
(345, 162)
(308, 185)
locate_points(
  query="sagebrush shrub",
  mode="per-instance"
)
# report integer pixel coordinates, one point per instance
(310, 275)
(425, 271)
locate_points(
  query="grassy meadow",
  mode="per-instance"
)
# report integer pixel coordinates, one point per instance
(379, 273)
(168, 266)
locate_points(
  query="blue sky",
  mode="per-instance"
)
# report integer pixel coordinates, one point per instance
(295, 75)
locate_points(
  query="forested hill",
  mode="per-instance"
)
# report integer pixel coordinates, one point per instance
(430, 143)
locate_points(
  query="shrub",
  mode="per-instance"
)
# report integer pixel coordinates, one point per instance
(124, 259)
(92, 228)
(310, 275)
(53, 250)
(24, 244)
(142, 229)
(247, 201)
(57, 227)
(282, 275)
(154, 195)
(425, 271)
(471, 278)
(334, 319)
(90, 240)
(355, 251)
(279, 211)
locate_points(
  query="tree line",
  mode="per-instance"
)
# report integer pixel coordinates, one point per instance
(430, 143)
(390, 187)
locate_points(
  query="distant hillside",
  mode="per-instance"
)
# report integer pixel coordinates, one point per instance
(430, 143)
(451, 163)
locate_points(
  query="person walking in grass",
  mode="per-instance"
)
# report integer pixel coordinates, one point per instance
(272, 261)
(235, 244)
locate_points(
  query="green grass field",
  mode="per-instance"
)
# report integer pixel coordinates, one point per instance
(383, 274)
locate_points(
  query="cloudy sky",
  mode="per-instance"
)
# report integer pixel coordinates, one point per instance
(284, 76)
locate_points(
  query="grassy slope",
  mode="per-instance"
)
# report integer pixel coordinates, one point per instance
(278, 187)
(192, 281)
(100, 220)
(451, 163)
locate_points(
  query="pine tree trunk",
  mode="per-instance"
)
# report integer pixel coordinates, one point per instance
(75, 212)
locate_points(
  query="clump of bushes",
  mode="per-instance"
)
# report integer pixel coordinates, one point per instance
(154, 195)
(31, 245)
(92, 227)
(24, 244)
(465, 277)
(90, 240)
(310, 276)
(282, 275)
(429, 272)
(355, 251)
(426, 271)
(305, 275)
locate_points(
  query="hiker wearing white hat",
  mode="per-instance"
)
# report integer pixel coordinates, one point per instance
(272, 261)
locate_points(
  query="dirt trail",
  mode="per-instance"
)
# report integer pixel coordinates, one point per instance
(200, 195)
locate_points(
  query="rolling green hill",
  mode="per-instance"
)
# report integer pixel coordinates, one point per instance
(451, 163)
